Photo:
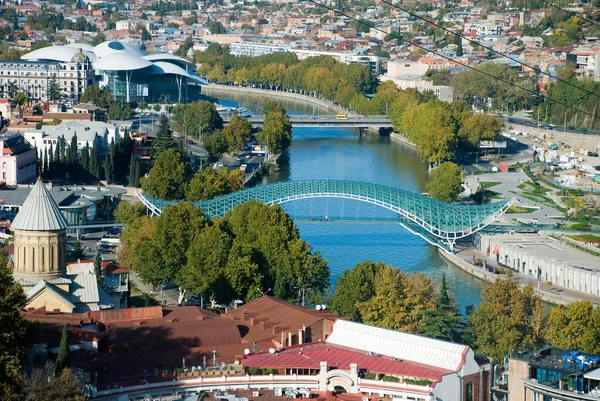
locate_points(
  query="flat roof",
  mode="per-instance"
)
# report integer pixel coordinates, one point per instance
(546, 248)
(72, 196)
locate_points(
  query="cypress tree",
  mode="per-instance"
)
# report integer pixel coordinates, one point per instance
(85, 156)
(95, 159)
(110, 172)
(63, 150)
(137, 175)
(45, 164)
(131, 175)
(98, 269)
(51, 165)
(64, 358)
(57, 157)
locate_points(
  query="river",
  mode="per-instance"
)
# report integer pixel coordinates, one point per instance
(341, 153)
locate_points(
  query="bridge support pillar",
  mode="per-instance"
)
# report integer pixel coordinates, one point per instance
(451, 243)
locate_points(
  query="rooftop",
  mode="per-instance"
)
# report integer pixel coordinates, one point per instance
(39, 212)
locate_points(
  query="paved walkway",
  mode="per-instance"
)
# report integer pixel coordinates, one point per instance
(167, 295)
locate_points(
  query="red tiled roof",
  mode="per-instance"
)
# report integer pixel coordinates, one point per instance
(113, 268)
(309, 356)
(265, 318)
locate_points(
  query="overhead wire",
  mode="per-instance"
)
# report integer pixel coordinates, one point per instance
(429, 50)
(516, 60)
(572, 13)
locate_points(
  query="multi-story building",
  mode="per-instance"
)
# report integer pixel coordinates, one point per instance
(256, 49)
(33, 77)
(17, 160)
(550, 374)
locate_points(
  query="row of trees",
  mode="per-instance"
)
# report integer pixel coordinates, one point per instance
(508, 319)
(89, 164)
(255, 247)
(103, 98)
(324, 75)
(437, 128)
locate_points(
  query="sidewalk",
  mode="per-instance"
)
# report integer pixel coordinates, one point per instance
(147, 289)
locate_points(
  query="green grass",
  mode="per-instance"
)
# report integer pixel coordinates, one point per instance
(514, 209)
(489, 184)
(586, 238)
(482, 172)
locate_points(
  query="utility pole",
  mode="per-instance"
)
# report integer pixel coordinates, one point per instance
(565, 122)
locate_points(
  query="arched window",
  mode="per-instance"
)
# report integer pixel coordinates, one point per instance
(52, 251)
(43, 264)
(3, 164)
(24, 257)
(33, 259)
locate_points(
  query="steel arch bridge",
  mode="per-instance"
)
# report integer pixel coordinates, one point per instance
(432, 219)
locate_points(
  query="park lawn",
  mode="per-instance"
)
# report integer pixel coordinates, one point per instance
(489, 184)
(514, 209)
(137, 298)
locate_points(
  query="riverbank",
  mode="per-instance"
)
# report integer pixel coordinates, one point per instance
(402, 138)
(551, 294)
(336, 109)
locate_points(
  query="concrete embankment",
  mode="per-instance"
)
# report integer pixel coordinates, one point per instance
(545, 294)
(402, 138)
(280, 94)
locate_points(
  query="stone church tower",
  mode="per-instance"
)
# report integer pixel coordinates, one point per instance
(40, 240)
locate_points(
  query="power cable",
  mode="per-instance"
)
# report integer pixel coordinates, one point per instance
(370, 25)
(516, 60)
(571, 13)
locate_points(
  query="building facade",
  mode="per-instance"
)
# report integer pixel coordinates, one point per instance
(33, 77)
(17, 160)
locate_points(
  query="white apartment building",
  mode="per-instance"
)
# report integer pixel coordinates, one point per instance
(483, 28)
(442, 92)
(258, 49)
(86, 131)
(33, 77)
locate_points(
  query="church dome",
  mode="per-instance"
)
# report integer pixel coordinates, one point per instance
(39, 212)
(79, 57)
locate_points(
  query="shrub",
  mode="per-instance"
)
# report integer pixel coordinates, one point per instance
(549, 283)
(508, 272)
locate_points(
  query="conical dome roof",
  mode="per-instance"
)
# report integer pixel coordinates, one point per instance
(39, 212)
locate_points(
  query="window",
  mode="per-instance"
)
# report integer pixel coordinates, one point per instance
(4, 175)
(24, 256)
(123, 279)
(3, 164)
(43, 258)
(33, 259)
(469, 392)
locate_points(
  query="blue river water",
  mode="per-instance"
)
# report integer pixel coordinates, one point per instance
(341, 153)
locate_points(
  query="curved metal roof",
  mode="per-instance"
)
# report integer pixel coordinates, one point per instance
(57, 53)
(121, 62)
(113, 47)
(170, 58)
(162, 67)
(439, 219)
(39, 212)
(83, 46)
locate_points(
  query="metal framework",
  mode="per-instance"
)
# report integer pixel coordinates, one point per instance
(443, 221)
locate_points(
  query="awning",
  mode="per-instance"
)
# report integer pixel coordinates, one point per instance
(593, 374)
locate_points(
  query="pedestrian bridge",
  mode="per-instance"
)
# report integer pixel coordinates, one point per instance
(351, 121)
(438, 222)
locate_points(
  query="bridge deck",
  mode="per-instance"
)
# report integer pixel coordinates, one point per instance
(327, 121)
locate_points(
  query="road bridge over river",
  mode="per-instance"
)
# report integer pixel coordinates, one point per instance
(373, 122)
(439, 223)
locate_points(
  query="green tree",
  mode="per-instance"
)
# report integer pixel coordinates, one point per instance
(201, 118)
(127, 212)
(95, 158)
(99, 38)
(355, 286)
(215, 145)
(508, 319)
(54, 90)
(276, 133)
(479, 127)
(445, 322)
(66, 387)
(209, 184)
(16, 334)
(164, 138)
(167, 178)
(459, 47)
(237, 132)
(21, 98)
(145, 34)
(400, 300)
(63, 360)
(78, 253)
(446, 182)
(99, 270)
(575, 326)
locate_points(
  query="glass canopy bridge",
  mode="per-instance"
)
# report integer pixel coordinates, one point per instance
(439, 223)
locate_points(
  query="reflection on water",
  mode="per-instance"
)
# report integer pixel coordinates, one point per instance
(341, 153)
